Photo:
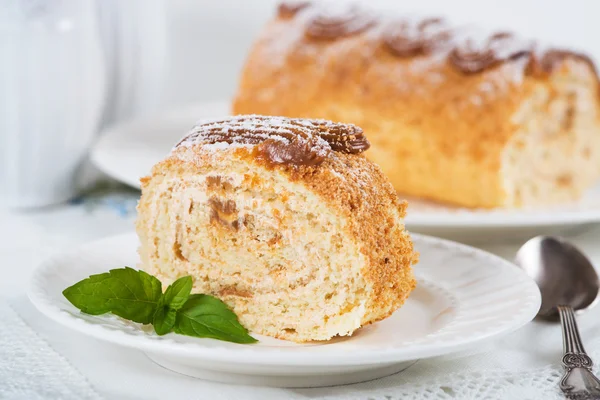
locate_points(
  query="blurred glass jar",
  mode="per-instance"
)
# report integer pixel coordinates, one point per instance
(51, 97)
(69, 68)
(134, 42)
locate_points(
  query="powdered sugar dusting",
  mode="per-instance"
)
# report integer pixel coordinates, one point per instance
(340, 11)
(220, 146)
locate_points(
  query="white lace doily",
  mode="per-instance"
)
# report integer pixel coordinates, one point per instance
(494, 384)
(30, 369)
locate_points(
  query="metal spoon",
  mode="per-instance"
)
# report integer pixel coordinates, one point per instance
(568, 282)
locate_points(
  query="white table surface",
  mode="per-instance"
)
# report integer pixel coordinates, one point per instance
(26, 238)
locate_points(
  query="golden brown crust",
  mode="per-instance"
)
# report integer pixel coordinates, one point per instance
(438, 125)
(366, 203)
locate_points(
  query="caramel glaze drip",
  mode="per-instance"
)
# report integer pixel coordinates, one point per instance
(406, 39)
(288, 9)
(499, 47)
(339, 22)
(281, 140)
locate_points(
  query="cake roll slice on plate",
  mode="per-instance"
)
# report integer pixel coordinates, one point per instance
(283, 219)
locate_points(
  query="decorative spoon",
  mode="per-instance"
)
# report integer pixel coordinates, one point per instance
(568, 282)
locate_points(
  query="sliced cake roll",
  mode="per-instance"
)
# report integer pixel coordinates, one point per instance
(283, 219)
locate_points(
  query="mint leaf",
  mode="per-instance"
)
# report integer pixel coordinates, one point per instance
(130, 294)
(178, 292)
(164, 320)
(208, 317)
(82, 295)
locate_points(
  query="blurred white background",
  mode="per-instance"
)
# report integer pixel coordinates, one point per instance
(208, 39)
(109, 61)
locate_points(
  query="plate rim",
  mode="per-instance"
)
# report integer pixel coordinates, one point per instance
(232, 353)
(100, 154)
(101, 157)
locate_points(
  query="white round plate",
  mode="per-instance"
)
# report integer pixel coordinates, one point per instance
(127, 152)
(464, 296)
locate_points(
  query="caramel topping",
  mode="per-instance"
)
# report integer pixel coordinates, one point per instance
(338, 21)
(471, 57)
(281, 140)
(407, 38)
(552, 58)
(297, 152)
(287, 9)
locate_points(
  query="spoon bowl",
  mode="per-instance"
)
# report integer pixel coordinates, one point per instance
(563, 273)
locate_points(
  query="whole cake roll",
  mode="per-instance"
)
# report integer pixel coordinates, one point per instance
(283, 219)
(453, 114)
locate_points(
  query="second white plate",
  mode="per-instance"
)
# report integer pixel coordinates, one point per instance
(127, 152)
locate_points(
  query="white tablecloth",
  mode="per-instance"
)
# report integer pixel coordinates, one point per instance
(523, 365)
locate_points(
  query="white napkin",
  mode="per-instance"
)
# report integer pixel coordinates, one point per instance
(30, 369)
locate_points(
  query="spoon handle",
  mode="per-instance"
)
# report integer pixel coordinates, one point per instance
(578, 382)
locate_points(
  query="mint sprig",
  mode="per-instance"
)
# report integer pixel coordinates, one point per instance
(137, 296)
